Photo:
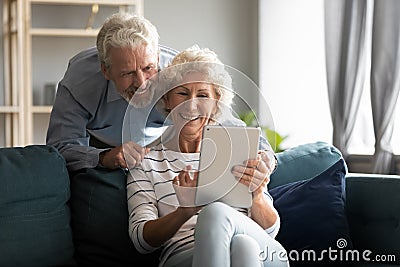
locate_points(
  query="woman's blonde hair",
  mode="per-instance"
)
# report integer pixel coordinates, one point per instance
(206, 62)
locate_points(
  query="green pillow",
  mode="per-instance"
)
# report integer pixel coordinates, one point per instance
(34, 216)
(303, 162)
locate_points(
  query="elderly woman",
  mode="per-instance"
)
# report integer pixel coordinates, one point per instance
(215, 234)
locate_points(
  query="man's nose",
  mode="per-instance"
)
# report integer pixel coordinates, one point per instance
(140, 79)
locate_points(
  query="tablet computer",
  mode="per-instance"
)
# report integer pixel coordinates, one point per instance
(221, 148)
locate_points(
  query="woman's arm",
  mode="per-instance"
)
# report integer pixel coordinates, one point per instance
(146, 229)
(157, 232)
(262, 210)
(255, 174)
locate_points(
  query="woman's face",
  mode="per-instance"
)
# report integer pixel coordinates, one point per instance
(192, 104)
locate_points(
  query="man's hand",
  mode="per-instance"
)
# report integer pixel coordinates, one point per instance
(268, 156)
(128, 155)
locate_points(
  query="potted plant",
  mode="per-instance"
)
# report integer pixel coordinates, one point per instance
(274, 138)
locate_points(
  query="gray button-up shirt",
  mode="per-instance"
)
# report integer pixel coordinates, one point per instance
(88, 113)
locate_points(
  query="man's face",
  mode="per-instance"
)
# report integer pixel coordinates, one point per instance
(130, 68)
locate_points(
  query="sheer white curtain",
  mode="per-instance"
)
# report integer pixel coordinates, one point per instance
(345, 46)
(385, 79)
(345, 31)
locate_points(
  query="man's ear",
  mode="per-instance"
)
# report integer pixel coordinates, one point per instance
(105, 71)
(166, 102)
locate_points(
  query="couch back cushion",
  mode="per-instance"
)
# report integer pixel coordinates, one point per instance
(100, 220)
(34, 215)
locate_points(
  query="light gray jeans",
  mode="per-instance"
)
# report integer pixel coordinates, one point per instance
(226, 237)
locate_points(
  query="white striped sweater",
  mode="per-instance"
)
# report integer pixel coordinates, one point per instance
(151, 195)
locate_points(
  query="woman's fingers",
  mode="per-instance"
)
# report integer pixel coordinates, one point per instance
(253, 174)
(187, 177)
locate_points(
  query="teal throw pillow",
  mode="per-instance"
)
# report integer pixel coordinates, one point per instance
(303, 162)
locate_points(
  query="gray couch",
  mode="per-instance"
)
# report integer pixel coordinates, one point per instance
(49, 217)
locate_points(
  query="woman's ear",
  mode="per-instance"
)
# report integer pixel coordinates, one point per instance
(217, 104)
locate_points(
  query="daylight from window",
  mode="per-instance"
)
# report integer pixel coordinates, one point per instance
(293, 77)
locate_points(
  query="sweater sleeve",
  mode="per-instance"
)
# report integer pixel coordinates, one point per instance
(142, 207)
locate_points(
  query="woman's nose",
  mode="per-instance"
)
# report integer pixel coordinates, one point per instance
(193, 103)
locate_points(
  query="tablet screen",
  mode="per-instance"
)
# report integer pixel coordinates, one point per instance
(221, 148)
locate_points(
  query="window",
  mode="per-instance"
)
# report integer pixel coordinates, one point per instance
(293, 77)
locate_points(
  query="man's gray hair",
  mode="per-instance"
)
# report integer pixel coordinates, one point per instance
(125, 30)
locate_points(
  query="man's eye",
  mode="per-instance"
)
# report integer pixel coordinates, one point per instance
(148, 68)
(127, 74)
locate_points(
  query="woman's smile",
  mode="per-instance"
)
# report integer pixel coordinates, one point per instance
(189, 117)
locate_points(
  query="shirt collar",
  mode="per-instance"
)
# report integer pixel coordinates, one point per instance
(112, 93)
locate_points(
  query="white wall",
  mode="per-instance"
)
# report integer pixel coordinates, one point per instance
(292, 77)
(285, 55)
(228, 27)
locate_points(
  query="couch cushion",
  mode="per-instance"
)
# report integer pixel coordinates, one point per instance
(100, 220)
(313, 215)
(303, 162)
(373, 210)
(34, 216)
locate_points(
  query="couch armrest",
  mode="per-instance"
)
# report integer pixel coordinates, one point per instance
(373, 213)
(34, 215)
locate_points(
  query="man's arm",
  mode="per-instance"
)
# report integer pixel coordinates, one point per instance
(67, 132)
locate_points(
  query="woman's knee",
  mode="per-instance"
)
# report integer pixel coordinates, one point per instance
(245, 251)
(213, 214)
(213, 210)
(244, 243)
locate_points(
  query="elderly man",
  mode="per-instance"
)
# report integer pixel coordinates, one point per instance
(87, 116)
